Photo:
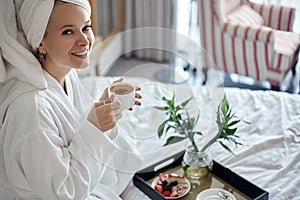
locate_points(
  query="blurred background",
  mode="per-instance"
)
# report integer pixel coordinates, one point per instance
(161, 40)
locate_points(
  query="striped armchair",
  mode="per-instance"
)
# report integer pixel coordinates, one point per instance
(249, 39)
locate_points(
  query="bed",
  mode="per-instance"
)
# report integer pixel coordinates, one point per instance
(270, 155)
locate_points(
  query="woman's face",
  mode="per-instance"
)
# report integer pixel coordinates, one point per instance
(68, 39)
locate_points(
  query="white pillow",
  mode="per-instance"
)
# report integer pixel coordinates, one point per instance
(246, 16)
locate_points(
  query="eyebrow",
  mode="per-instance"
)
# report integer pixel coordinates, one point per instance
(70, 26)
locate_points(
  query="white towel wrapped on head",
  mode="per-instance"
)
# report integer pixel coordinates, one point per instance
(22, 28)
(83, 3)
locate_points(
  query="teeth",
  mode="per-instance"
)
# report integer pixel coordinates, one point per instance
(81, 53)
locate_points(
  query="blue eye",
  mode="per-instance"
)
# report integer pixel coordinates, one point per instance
(67, 32)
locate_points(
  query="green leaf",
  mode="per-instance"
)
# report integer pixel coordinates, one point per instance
(168, 128)
(183, 104)
(218, 116)
(162, 108)
(224, 106)
(173, 139)
(236, 136)
(160, 130)
(198, 133)
(230, 114)
(172, 101)
(197, 118)
(238, 143)
(179, 117)
(230, 131)
(246, 122)
(233, 123)
(231, 139)
(226, 148)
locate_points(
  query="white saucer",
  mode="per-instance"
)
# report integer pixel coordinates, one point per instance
(213, 194)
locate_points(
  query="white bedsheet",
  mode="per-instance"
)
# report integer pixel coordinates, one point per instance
(270, 157)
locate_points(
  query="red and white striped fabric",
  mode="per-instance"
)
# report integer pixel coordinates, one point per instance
(249, 46)
(245, 15)
(277, 17)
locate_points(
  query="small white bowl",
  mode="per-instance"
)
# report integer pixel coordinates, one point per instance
(213, 194)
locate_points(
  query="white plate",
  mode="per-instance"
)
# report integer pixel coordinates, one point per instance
(213, 194)
(185, 193)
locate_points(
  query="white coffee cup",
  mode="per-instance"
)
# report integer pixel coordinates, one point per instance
(124, 92)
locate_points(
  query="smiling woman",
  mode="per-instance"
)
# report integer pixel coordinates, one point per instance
(67, 41)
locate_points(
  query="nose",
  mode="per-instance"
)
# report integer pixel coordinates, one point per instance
(83, 39)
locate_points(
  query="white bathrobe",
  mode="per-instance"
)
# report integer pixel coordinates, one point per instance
(49, 150)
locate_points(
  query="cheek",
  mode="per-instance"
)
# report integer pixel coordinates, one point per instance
(59, 48)
(91, 39)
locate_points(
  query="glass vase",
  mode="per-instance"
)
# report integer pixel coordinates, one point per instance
(196, 164)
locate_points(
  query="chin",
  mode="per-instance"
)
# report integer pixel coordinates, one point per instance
(82, 65)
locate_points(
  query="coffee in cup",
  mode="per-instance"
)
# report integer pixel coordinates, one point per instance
(124, 92)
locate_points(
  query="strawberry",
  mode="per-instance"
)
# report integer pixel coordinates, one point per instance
(162, 177)
(166, 193)
(158, 188)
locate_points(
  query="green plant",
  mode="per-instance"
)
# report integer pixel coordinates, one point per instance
(179, 120)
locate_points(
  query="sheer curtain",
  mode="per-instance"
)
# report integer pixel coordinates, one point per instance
(149, 29)
(107, 16)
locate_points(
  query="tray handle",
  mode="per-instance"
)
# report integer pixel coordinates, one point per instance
(161, 166)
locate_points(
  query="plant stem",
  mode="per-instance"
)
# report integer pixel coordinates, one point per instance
(195, 146)
(213, 140)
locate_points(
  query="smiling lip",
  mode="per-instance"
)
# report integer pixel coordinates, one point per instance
(81, 54)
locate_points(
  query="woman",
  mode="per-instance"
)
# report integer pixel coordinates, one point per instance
(55, 142)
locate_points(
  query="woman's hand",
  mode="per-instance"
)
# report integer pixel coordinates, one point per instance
(105, 114)
(137, 95)
(105, 92)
